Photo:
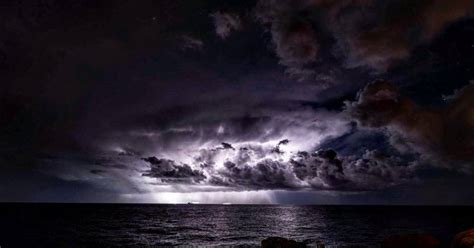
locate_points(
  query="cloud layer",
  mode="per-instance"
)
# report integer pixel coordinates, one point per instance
(443, 133)
(292, 33)
(368, 33)
(127, 97)
(254, 166)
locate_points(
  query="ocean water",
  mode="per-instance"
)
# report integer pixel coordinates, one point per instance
(125, 225)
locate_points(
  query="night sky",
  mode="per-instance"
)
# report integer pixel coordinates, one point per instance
(267, 101)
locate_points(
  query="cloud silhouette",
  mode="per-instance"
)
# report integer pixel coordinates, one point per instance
(443, 133)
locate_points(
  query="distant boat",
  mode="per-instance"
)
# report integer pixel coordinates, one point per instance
(226, 203)
(191, 203)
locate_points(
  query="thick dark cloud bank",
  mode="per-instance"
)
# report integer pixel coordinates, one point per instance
(307, 101)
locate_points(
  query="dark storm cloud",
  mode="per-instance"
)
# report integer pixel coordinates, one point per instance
(292, 33)
(226, 23)
(380, 34)
(377, 34)
(267, 174)
(253, 166)
(440, 133)
(91, 88)
(373, 170)
(169, 172)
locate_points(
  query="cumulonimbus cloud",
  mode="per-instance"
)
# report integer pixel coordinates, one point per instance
(256, 166)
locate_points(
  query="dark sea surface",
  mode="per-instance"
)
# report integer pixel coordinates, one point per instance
(112, 225)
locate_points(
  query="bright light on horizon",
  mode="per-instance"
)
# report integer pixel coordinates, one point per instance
(216, 197)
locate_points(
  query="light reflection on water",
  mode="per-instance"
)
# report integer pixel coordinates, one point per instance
(215, 225)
